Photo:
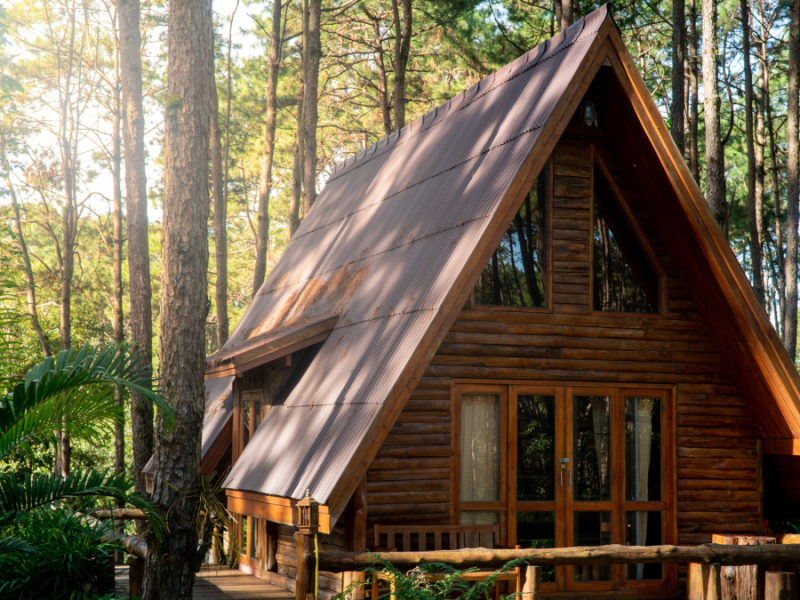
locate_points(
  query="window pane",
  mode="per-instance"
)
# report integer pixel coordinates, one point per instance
(591, 423)
(643, 449)
(475, 540)
(256, 414)
(536, 448)
(538, 530)
(643, 528)
(253, 537)
(243, 537)
(245, 422)
(624, 279)
(480, 448)
(517, 273)
(592, 528)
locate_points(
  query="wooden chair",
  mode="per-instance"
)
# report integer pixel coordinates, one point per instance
(419, 538)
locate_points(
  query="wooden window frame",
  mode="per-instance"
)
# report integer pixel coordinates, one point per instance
(548, 244)
(641, 238)
(239, 398)
(508, 507)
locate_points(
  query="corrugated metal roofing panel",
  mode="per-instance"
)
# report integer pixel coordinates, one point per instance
(382, 247)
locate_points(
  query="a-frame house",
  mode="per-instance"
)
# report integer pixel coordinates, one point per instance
(516, 310)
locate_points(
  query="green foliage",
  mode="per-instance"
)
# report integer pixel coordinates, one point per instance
(433, 581)
(56, 555)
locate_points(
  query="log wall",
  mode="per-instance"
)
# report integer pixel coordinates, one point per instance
(717, 478)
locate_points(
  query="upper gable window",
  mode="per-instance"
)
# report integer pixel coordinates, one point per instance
(624, 281)
(518, 272)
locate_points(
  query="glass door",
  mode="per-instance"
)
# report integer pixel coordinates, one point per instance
(536, 479)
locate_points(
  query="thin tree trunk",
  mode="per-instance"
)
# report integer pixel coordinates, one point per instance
(30, 284)
(752, 210)
(313, 54)
(694, 71)
(297, 167)
(776, 193)
(117, 320)
(714, 192)
(383, 82)
(566, 14)
(678, 78)
(402, 48)
(265, 179)
(558, 14)
(220, 218)
(170, 568)
(792, 184)
(141, 317)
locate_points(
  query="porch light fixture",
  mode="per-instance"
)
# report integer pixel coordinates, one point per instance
(308, 517)
(590, 114)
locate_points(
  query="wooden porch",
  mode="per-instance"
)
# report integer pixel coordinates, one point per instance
(222, 583)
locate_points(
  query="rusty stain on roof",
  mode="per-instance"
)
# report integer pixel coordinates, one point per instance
(384, 244)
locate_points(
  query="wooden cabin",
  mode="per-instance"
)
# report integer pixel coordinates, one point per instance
(517, 310)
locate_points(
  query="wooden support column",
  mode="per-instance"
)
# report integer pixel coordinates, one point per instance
(705, 581)
(355, 537)
(271, 563)
(304, 580)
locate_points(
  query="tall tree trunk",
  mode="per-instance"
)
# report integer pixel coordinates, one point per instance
(694, 72)
(792, 184)
(678, 78)
(297, 167)
(170, 568)
(752, 212)
(117, 320)
(141, 316)
(221, 212)
(265, 179)
(383, 81)
(776, 193)
(759, 138)
(68, 220)
(714, 192)
(313, 54)
(402, 48)
(220, 218)
(567, 15)
(30, 284)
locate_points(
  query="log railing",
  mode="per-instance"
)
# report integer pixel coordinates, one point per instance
(704, 577)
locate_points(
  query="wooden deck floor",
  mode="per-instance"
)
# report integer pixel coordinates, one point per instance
(223, 584)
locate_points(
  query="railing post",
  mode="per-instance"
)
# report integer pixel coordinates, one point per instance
(308, 526)
(135, 576)
(705, 581)
(780, 586)
(532, 580)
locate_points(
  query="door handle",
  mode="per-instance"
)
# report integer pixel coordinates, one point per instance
(562, 477)
(570, 478)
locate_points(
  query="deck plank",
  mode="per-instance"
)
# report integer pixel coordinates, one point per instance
(214, 583)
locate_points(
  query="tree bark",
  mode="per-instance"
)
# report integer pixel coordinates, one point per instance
(30, 284)
(297, 167)
(567, 15)
(220, 218)
(402, 48)
(141, 318)
(714, 192)
(792, 183)
(776, 193)
(678, 77)
(313, 54)
(383, 82)
(752, 212)
(694, 78)
(184, 275)
(265, 178)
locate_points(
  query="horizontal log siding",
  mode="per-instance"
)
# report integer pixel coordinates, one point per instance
(716, 456)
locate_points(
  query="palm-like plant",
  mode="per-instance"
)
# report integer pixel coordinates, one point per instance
(74, 393)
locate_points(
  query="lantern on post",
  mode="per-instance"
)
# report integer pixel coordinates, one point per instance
(590, 114)
(308, 517)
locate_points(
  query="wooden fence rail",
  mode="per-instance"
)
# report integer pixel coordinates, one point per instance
(704, 561)
(483, 558)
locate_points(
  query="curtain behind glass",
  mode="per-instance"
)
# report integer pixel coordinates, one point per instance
(480, 448)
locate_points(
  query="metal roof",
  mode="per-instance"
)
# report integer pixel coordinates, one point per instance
(383, 245)
(219, 410)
